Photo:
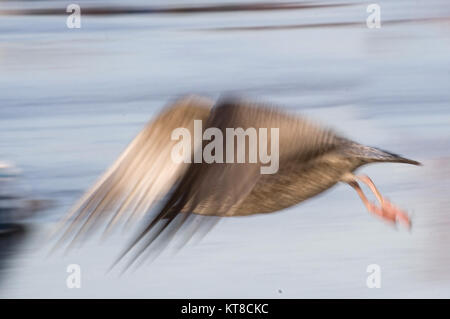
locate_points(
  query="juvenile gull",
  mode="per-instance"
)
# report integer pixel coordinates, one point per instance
(311, 160)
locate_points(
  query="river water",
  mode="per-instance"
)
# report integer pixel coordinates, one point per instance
(71, 100)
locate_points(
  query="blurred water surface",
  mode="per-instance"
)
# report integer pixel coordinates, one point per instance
(71, 100)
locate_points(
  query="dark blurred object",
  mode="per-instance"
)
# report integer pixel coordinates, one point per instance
(12, 237)
(14, 209)
(15, 206)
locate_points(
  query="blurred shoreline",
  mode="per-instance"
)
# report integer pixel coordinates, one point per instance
(108, 9)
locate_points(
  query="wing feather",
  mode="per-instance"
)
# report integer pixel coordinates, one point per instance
(219, 188)
(142, 174)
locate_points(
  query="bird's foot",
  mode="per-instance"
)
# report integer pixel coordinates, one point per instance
(390, 213)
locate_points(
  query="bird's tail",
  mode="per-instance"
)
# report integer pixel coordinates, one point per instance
(373, 154)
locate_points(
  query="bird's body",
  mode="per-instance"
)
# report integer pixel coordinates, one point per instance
(311, 160)
(295, 184)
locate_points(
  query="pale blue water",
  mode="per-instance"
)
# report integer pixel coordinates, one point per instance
(70, 101)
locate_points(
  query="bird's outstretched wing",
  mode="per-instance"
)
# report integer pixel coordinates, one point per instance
(219, 188)
(142, 174)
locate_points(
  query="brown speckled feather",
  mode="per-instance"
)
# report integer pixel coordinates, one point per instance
(220, 189)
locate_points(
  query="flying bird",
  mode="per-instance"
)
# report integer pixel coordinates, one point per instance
(146, 185)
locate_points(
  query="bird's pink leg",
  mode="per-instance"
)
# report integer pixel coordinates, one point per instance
(387, 210)
(386, 206)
